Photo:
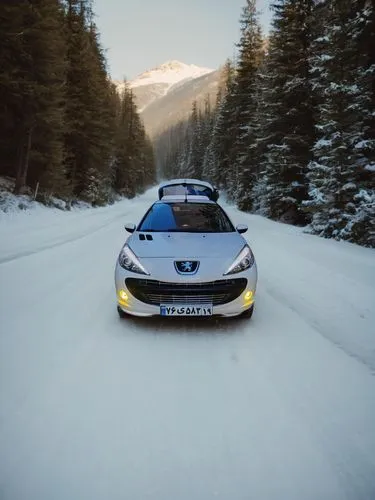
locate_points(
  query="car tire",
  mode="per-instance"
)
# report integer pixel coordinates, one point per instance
(121, 313)
(248, 313)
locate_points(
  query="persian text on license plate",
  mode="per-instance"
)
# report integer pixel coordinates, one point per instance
(186, 310)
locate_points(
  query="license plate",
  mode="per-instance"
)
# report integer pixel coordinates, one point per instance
(186, 310)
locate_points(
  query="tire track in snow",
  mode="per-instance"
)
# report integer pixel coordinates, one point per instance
(316, 325)
(64, 241)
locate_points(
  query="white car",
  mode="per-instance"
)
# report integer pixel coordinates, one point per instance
(185, 258)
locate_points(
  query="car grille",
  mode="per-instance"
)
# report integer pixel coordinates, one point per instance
(159, 292)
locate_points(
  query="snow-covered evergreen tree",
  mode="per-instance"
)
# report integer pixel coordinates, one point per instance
(194, 131)
(215, 151)
(341, 172)
(251, 53)
(288, 131)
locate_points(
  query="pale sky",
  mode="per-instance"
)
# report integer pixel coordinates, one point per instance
(141, 34)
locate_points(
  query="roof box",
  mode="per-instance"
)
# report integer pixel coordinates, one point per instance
(189, 187)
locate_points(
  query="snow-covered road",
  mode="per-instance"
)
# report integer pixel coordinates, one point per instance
(281, 407)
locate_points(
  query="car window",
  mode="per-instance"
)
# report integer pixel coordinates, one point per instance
(186, 217)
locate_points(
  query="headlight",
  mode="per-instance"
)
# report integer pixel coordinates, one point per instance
(128, 260)
(243, 261)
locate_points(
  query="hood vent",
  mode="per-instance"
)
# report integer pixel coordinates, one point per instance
(144, 237)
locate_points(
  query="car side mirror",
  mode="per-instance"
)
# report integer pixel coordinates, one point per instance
(242, 228)
(215, 195)
(130, 228)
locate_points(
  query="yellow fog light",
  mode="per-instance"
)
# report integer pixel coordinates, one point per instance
(249, 296)
(123, 297)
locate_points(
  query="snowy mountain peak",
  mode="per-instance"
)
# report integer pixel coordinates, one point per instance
(157, 82)
(172, 65)
(170, 73)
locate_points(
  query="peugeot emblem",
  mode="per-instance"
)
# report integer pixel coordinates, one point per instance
(186, 266)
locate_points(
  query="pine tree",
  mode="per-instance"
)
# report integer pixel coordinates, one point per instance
(208, 166)
(289, 124)
(124, 183)
(227, 135)
(102, 123)
(251, 53)
(134, 159)
(193, 157)
(149, 164)
(169, 147)
(12, 56)
(47, 152)
(341, 177)
(77, 140)
(216, 163)
(260, 193)
(90, 120)
(32, 97)
(203, 135)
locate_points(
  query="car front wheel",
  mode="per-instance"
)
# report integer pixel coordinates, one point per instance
(121, 313)
(248, 313)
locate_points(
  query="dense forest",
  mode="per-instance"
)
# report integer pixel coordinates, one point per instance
(63, 125)
(292, 136)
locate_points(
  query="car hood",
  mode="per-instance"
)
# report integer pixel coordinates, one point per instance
(187, 245)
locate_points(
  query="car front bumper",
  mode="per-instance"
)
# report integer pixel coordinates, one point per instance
(133, 306)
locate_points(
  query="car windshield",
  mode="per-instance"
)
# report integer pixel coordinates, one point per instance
(186, 217)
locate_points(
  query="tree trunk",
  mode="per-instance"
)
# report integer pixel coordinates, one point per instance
(19, 161)
(23, 159)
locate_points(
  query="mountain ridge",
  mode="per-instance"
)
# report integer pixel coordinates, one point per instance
(169, 72)
(164, 93)
(156, 82)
